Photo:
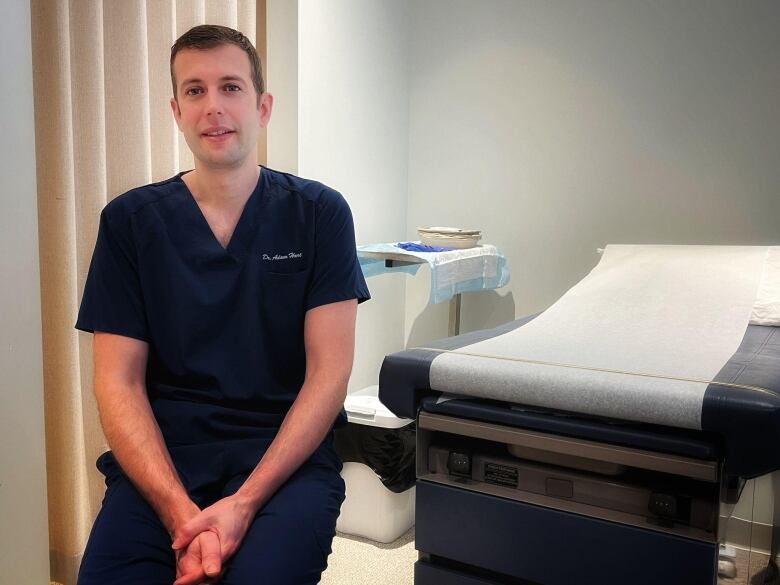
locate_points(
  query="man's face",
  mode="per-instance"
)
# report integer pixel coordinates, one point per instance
(217, 108)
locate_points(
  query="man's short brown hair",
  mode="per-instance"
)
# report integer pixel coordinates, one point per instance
(208, 36)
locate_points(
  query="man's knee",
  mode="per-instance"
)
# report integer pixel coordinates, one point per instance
(289, 542)
(128, 543)
(282, 550)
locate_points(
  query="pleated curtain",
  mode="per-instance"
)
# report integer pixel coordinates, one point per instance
(102, 126)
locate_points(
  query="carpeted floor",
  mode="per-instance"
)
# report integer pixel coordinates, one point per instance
(357, 561)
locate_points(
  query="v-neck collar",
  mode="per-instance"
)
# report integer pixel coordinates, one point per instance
(245, 229)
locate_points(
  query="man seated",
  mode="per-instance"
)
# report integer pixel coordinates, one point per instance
(223, 304)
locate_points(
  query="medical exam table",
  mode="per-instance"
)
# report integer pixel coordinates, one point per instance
(603, 441)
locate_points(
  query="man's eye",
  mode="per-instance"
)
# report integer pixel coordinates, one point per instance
(232, 87)
(193, 91)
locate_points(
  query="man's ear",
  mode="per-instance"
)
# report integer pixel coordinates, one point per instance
(176, 111)
(265, 105)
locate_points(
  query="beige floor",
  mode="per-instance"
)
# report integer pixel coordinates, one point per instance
(751, 569)
(357, 561)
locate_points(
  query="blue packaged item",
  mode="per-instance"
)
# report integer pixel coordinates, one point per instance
(417, 247)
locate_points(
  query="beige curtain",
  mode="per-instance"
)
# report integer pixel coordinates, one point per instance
(102, 126)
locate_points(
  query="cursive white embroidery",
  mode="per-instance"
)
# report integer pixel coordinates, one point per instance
(288, 256)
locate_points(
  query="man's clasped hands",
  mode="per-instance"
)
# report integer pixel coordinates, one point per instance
(208, 539)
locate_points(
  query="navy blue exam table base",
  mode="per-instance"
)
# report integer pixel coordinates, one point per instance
(546, 546)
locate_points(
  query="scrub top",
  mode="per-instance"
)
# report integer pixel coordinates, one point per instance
(224, 325)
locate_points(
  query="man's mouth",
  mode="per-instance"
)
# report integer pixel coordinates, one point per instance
(217, 132)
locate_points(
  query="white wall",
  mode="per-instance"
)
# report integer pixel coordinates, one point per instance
(352, 135)
(282, 83)
(558, 127)
(24, 539)
(555, 127)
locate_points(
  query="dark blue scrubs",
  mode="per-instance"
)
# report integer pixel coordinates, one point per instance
(225, 334)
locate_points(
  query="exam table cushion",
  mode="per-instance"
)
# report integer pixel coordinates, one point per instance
(740, 424)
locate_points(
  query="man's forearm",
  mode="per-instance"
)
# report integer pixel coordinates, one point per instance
(303, 430)
(329, 332)
(137, 444)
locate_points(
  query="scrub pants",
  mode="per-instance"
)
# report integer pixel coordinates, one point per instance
(288, 542)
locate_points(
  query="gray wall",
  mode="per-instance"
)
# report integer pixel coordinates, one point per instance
(24, 539)
(557, 127)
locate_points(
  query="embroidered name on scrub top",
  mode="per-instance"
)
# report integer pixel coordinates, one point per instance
(288, 256)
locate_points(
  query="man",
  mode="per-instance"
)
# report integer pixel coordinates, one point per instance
(223, 306)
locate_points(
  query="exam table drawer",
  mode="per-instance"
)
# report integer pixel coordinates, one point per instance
(551, 547)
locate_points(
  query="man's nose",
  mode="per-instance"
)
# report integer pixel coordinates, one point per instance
(214, 104)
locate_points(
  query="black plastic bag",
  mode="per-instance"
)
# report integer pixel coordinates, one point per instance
(389, 452)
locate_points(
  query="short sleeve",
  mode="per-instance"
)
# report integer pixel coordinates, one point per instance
(336, 274)
(113, 300)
